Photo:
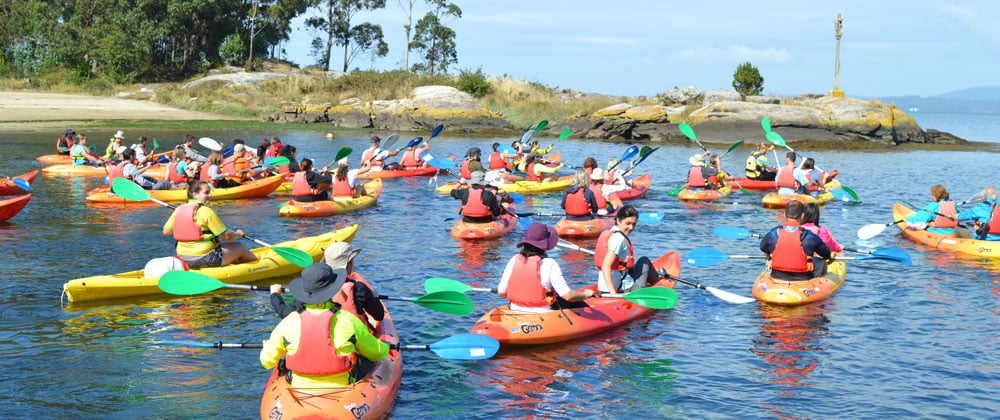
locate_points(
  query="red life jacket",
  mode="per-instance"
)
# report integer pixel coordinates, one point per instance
(185, 229)
(367, 158)
(342, 189)
(203, 175)
(602, 203)
(301, 188)
(273, 151)
(786, 178)
(315, 354)
(411, 159)
(463, 170)
(576, 203)
(947, 208)
(601, 250)
(345, 297)
(116, 171)
(496, 161)
(525, 285)
(530, 170)
(283, 169)
(228, 165)
(172, 174)
(788, 254)
(995, 221)
(695, 179)
(474, 206)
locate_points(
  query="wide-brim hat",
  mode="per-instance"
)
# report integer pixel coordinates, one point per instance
(318, 283)
(339, 254)
(540, 236)
(597, 174)
(477, 178)
(120, 134)
(696, 160)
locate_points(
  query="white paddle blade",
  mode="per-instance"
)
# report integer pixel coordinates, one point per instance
(728, 296)
(210, 143)
(871, 231)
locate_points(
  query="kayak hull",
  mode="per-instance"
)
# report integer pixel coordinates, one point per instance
(371, 397)
(701, 194)
(12, 206)
(156, 171)
(522, 187)
(8, 187)
(584, 228)
(402, 173)
(756, 185)
(520, 328)
(793, 293)
(951, 243)
(773, 200)
(252, 189)
(331, 207)
(491, 230)
(639, 187)
(269, 264)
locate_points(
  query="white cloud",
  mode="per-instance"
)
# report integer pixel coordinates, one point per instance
(726, 55)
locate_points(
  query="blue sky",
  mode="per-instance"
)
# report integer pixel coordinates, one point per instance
(889, 48)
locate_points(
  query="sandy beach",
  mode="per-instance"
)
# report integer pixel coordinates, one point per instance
(32, 109)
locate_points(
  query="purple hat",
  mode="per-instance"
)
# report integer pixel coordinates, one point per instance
(540, 236)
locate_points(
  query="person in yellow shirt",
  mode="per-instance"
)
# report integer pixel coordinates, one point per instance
(319, 344)
(200, 233)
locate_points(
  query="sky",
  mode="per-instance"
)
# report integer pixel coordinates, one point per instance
(642, 48)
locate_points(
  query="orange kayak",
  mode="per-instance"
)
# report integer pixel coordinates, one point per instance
(11, 207)
(54, 159)
(490, 230)
(371, 397)
(701, 194)
(331, 207)
(252, 189)
(584, 228)
(800, 292)
(519, 328)
(773, 200)
(156, 171)
(8, 187)
(951, 243)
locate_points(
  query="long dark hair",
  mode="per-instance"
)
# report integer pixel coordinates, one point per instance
(528, 250)
(811, 214)
(625, 212)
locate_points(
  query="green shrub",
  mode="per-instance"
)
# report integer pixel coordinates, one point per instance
(474, 83)
(231, 49)
(747, 80)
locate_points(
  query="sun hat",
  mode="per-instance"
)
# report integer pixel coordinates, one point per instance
(120, 134)
(597, 174)
(318, 283)
(343, 162)
(238, 148)
(540, 236)
(696, 160)
(477, 178)
(339, 254)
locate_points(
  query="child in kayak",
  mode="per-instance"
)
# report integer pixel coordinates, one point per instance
(810, 222)
(621, 271)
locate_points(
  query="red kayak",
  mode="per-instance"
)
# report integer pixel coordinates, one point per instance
(755, 185)
(390, 173)
(8, 187)
(639, 187)
(11, 207)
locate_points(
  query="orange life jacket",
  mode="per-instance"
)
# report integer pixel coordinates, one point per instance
(576, 203)
(463, 170)
(788, 254)
(367, 157)
(695, 178)
(947, 208)
(301, 188)
(601, 250)
(283, 169)
(411, 159)
(116, 171)
(532, 175)
(995, 221)
(474, 206)
(172, 174)
(496, 161)
(525, 285)
(342, 189)
(345, 297)
(185, 229)
(786, 178)
(602, 203)
(316, 354)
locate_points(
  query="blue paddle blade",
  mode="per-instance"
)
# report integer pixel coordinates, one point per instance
(415, 141)
(163, 159)
(437, 130)
(268, 160)
(466, 347)
(731, 232)
(524, 222)
(650, 217)
(228, 151)
(630, 153)
(705, 256)
(893, 254)
(507, 150)
(518, 198)
(188, 344)
(22, 184)
(839, 194)
(441, 163)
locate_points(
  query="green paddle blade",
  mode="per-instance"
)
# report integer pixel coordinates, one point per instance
(447, 301)
(294, 256)
(156, 144)
(775, 138)
(541, 126)
(278, 161)
(344, 152)
(129, 190)
(653, 297)
(188, 283)
(853, 194)
(675, 192)
(765, 123)
(733, 147)
(687, 131)
(441, 284)
(565, 134)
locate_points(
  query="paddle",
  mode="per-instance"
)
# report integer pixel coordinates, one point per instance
(731, 148)
(651, 217)
(649, 297)
(565, 134)
(689, 133)
(776, 139)
(704, 256)
(456, 347)
(526, 137)
(840, 194)
(919, 209)
(853, 194)
(629, 153)
(342, 153)
(976, 198)
(733, 232)
(210, 144)
(390, 141)
(276, 161)
(870, 231)
(22, 183)
(676, 191)
(437, 130)
(132, 191)
(541, 126)
(190, 283)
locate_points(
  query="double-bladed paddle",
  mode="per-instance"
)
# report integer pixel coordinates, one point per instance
(210, 144)
(688, 132)
(895, 254)
(541, 126)
(437, 130)
(705, 256)
(731, 148)
(456, 347)
(565, 134)
(389, 141)
(342, 153)
(132, 191)
(192, 283)
(649, 297)
(629, 153)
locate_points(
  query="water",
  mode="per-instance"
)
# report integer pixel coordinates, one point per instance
(894, 342)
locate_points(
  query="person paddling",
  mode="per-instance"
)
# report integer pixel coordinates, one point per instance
(65, 143)
(790, 178)
(620, 270)
(471, 163)
(532, 281)
(795, 253)
(309, 186)
(200, 234)
(758, 167)
(345, 181)
(579, 201)
(940, 216)
(986, 216)
(479, 204)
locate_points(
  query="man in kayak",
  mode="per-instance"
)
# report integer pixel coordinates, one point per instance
(189, 151)
(201, 236)
(374, 157)
(532, 281)
(479, 204)
(471, 163)
(758, 166)
(795, 253)
(318, 345)
(986, 216)
(790, 178)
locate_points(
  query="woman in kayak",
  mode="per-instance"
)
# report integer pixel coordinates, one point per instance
(620, 271)
(579, 201)
(345, 181)
(940, 216)
(531, 278)
(810, 222)
(310, 186)
(201, 236)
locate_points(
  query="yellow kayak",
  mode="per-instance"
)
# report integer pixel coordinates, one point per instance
(335, 206)
(792, 293)
(250, 189)
(951, 243)
(269, 264)
(522, 187)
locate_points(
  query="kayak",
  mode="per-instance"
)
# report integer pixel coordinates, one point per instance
(792, 293)
(639, 187)
(251, 189)
(391, 173)
(268, 265)
(511, 327)
(372, 396)
(489, 230)
(156, 171)
(773, 200)
(8, 187)
(55, 159)
(12, 206)
(331, 207)
(701, 194)
(584, 228)
(755, 185)
(977, 247)
(522, 187)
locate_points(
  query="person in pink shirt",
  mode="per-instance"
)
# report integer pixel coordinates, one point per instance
(810, 222)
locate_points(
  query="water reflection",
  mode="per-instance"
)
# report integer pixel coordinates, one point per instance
(789, 343)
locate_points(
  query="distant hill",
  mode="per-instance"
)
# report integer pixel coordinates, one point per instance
(976, 100)
(980, 93)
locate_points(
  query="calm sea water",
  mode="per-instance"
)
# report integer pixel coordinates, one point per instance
(894, 342)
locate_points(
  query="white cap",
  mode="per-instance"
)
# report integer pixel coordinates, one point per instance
(120, 134)
(343, 162)
(597, 174)
(238, 148)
